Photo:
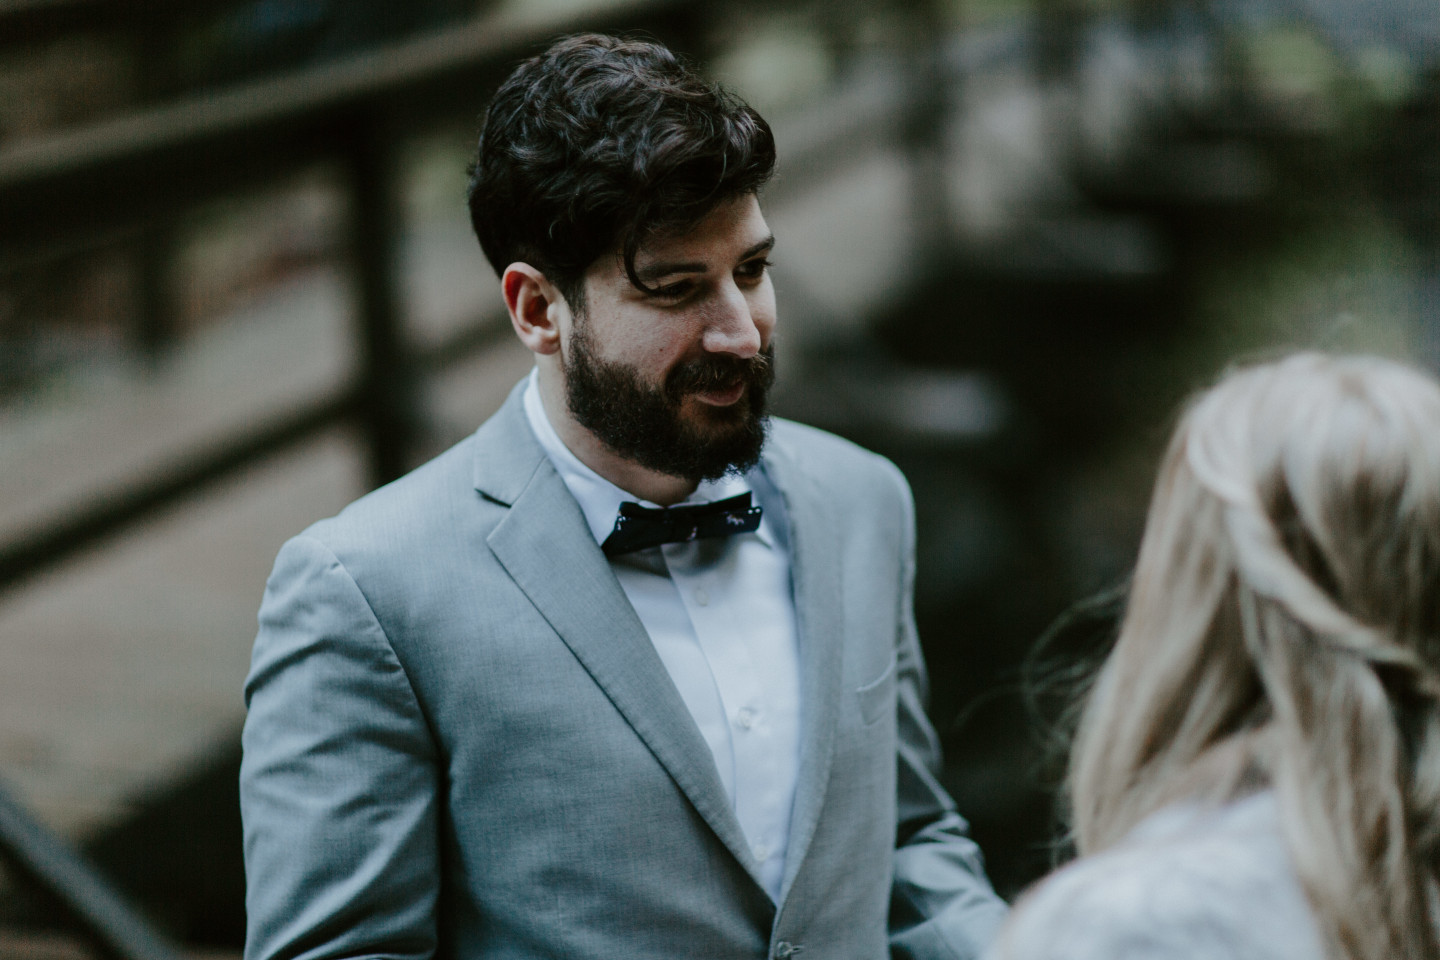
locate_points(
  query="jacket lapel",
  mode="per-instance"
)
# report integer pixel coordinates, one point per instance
(815, 542)
(548, 550)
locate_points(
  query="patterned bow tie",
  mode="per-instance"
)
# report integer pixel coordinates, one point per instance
(639, 527)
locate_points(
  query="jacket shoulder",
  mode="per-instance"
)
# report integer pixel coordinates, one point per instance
(416, 510)
(832, 461)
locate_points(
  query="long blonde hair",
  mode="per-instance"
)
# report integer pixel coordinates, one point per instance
(1283, 628)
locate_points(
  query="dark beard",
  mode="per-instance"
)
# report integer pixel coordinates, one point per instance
(645, 424)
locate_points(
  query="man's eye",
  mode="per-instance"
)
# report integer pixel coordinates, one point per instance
(673, 291)
(754, 269)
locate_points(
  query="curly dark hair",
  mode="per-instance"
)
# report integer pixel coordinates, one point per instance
(597, 145)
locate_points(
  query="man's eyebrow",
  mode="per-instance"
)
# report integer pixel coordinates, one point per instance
(657, 270)
(654, 271)
(764, 246)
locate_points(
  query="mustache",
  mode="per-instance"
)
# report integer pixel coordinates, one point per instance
(720, 372)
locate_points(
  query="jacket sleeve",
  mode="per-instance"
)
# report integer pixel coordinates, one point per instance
(942, 906)
(339, 777)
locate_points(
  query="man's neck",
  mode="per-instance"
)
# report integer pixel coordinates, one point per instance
(640, 482)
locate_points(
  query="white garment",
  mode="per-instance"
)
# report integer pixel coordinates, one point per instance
(721, 614)
(1186, 884)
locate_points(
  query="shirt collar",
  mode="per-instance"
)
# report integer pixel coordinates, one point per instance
(600, 499)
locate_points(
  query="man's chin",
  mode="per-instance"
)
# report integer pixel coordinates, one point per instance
(732, 439)
(717, 428)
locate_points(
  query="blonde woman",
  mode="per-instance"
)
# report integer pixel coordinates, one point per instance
(1257, 769)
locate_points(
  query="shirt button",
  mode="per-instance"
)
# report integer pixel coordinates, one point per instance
(761, 851)
(745, 719)
(784, 950)
(701, 597)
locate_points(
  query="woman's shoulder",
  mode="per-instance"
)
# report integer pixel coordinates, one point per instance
(1186, 883)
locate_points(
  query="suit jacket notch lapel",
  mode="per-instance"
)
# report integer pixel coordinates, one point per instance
(815, 545)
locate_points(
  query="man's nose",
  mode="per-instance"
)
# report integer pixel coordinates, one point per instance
(735, 326)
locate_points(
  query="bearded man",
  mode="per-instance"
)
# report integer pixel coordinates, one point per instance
(632, 671)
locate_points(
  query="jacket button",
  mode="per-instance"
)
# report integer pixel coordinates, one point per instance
(784, 950)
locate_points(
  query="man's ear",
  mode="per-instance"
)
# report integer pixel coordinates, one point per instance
(535, 306)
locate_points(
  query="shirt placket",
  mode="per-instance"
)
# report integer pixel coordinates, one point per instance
(714, 603)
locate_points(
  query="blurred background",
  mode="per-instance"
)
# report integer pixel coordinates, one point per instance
(238, 289)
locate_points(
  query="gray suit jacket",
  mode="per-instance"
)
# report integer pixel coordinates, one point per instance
(461, 741)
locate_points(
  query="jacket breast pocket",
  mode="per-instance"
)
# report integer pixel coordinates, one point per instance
(877, 697)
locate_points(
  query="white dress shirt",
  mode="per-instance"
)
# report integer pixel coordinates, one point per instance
(721, 614)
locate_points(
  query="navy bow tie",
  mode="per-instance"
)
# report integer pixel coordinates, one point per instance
(639, 527)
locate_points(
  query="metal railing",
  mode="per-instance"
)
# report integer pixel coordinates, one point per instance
(41, 858)
(134, 175)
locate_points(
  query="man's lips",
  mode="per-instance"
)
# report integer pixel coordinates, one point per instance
(723, 396)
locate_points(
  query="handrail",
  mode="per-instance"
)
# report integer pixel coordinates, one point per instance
(30, 554)
(38, 854)
(25, 20)
(49, 545)
(174, 155)
(146, 167)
